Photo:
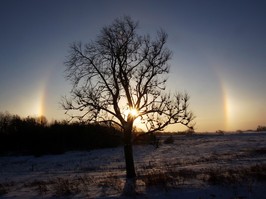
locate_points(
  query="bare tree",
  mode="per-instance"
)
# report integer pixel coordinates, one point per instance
(120, 77)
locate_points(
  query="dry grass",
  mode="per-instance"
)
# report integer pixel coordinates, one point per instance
(111, 182)
(40, 186)
(259, 151)
(170, 177)
(164, 177)
(167, 177)
(5, 187)
(219, 176)
(65, 187)
(72, 186)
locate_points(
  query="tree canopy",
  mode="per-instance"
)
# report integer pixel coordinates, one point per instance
(120, 72)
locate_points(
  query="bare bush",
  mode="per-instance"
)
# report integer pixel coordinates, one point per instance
(3, 189)
(65, 187)
(169, 140)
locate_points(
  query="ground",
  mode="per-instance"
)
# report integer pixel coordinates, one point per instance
(230, 166)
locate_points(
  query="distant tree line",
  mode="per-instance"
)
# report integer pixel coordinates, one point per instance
(261, 128)
(34, 136)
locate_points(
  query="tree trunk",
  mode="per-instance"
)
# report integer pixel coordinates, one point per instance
(128, 151)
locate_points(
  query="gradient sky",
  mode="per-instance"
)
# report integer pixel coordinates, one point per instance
(219, 53)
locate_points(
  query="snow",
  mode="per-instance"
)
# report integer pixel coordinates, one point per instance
(101, 173)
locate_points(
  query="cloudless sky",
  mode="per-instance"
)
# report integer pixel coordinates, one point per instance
(219, 53)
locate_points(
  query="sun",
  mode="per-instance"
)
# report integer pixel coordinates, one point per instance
(135, 114)
(132, 112)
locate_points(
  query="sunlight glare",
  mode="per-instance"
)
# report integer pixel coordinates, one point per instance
(133, 112)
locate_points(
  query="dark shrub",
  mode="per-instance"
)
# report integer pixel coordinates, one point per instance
(169, 140)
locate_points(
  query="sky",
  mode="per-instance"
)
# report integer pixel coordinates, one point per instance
(219, 54)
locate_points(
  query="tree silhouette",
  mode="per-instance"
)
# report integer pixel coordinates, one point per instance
(120, 77)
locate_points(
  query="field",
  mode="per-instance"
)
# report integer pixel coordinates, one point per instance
(230, 166)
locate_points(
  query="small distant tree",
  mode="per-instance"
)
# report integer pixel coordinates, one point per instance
(120, 77)
(220, 132)
(42, 120)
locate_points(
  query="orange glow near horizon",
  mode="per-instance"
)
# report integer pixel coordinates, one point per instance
(41, 107)
(35, 107)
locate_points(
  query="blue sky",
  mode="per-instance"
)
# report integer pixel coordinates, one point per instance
(219, 53)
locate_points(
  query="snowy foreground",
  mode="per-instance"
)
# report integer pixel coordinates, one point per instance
(192, 167)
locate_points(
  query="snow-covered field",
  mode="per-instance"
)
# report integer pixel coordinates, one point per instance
(229, 166)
